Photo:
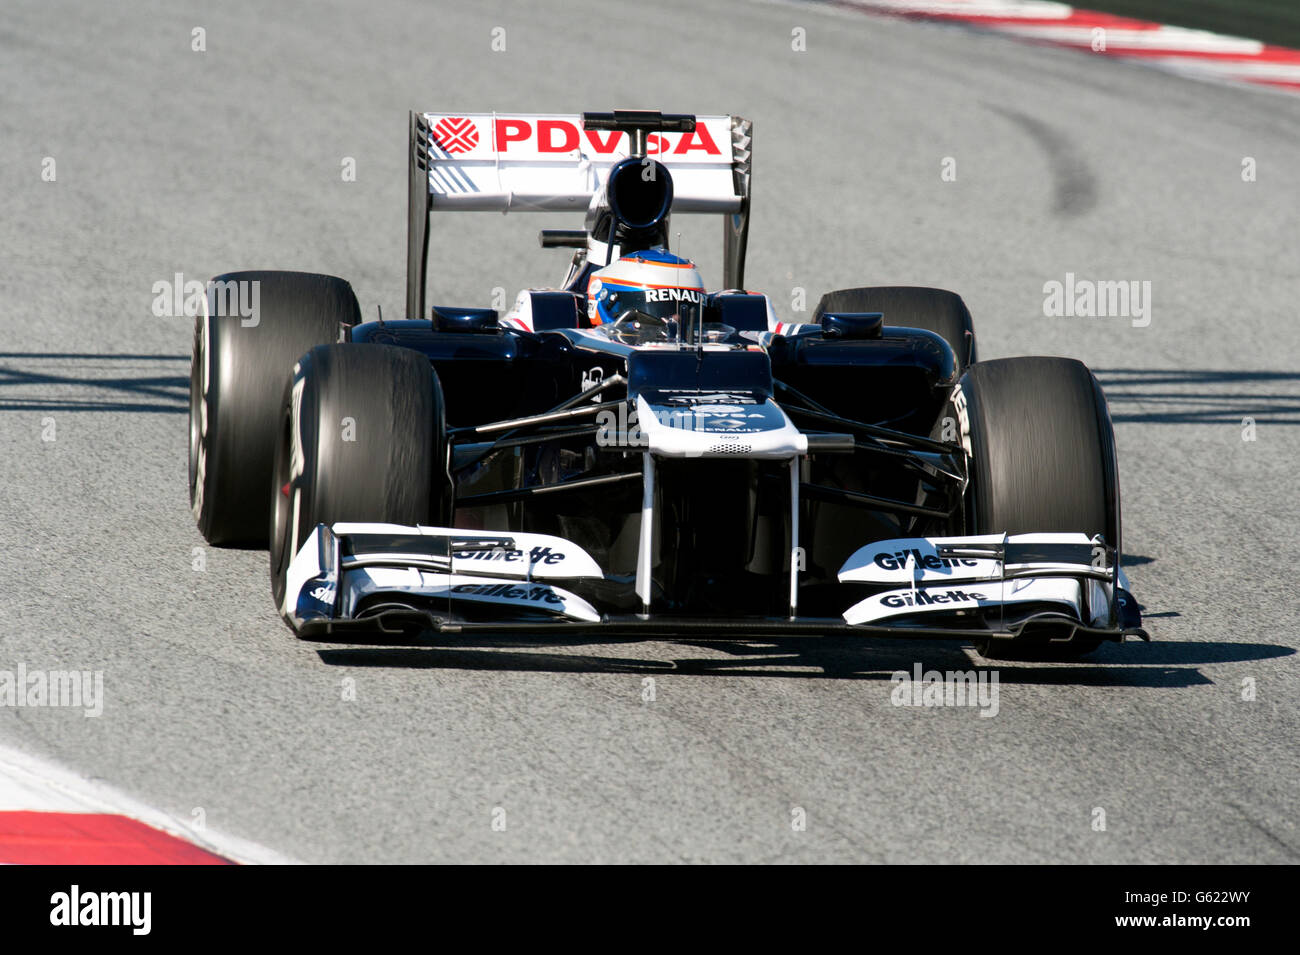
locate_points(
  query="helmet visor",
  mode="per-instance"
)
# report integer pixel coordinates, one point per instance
(670, 304)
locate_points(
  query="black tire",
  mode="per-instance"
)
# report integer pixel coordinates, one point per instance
(1042, 452)
(933, 309)
(237, 376)
(371, 434)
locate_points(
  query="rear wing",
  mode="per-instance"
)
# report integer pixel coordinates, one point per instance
(514, 162)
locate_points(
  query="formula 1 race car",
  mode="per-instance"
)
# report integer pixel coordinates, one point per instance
(628, 453)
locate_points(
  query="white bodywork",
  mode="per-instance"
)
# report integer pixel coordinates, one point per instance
(917, 560)
(947, 574)
(719, 426)
(544, 162)
(522, 574)
(330, 581)
(948, 598)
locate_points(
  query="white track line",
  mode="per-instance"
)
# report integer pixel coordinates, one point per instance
(33, 784)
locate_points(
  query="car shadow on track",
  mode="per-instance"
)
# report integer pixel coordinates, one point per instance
(1200, 396)
(83, 381)
(1152, 665)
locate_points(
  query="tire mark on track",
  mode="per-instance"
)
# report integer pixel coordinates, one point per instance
(1074, 187)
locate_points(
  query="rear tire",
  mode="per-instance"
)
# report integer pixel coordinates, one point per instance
(1042, 451)
(933, 309)
(371, 441)
(237, 376)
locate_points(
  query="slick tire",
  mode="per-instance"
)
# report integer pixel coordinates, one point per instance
(933, 309)
(361, 437)
(1042, 451)
(238, 368)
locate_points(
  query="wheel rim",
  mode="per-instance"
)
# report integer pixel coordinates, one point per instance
(280, 545)
(196, 413)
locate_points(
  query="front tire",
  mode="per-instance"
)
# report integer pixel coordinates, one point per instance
(362, 437)
(1042, 452)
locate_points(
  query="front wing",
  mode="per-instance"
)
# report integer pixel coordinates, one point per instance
(366, 582)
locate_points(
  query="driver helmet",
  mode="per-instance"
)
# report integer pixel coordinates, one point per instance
(655, 283)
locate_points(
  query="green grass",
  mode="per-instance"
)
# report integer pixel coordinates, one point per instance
(1273, 21)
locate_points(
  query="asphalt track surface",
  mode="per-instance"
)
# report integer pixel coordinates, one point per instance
(169, 160)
